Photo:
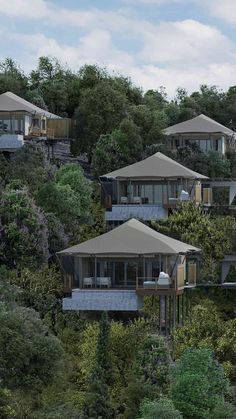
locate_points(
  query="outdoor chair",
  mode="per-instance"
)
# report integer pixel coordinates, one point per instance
(88, 282)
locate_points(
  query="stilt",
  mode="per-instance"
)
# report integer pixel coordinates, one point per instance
(166, 315)
(190, 311)
(187, 305)
(178, 311)
(174, 311)
(182, 309)
(160, 315)
(170, 325)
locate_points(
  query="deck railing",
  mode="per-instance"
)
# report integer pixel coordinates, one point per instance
(38, 132)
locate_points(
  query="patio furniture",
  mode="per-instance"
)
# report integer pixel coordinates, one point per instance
(137, 200)
(124, 200)
(164, 280)
(103, 281)
(88, 282)
(184, 196)
(150, 284)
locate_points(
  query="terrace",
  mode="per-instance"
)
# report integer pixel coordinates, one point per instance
(149, 189)
(130, 261)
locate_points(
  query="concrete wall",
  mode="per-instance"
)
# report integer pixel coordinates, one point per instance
(145, 212)
(103, 300)
(11, 142)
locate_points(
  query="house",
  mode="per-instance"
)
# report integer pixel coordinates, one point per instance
(208, 134)
(20, 121)
(150, 189)
(116, 270)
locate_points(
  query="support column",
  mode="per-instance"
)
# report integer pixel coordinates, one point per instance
(190, 312)
(162, 303)
(160, 315)
(170, 315)
(182, 309)
(174, 311)
(95, 270)
(187, 305)
(166, 316)
(178, 311)
(125, 274)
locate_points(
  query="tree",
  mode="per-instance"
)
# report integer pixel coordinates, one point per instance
(6, 409)
(68, 197)
(24, 234)
(41, 290)
(97, 401)
(162, 408)
(12, 78)
(29, 355)
(224, 411)
(53, 82)
(106, 156)
(101, 109)
(57, 238)
(149, 375)
(29, 167)
(208, 329)
(214, 235)
(198, 383)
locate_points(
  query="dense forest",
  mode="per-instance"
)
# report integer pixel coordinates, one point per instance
(55, 364)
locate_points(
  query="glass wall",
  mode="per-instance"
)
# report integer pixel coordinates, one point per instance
(149, 193)
(12, 125)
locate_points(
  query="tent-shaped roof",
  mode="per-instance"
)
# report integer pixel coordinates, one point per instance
(9, 102)
(132, 238)
(199, 124)
(157, 166)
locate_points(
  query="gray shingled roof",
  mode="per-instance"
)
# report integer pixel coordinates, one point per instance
(157, 166)
(132, 238)
(11, 102)
(199, 124)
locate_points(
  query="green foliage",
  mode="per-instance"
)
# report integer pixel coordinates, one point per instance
(208, 330)
(101, 109)
(231, 276)
(149, 375)
(68, 197)
(97, 401)
(24, 234)
(30, 167)
(162, 408)
(214, 235)
(198, 383)
(106, 155)
(6, 410)
(12, 78)
(29, 356)
(223, 411)
(57, 238)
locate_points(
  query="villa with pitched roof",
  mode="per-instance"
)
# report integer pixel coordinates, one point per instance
(115, 271)
(208, 134)
(150, 189)
(20, 121)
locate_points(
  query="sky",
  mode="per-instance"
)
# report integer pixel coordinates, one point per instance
(170, 43)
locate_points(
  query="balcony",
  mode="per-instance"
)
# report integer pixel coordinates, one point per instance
(120, 212)
(39, 132)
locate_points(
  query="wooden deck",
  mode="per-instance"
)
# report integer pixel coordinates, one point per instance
(159, 291)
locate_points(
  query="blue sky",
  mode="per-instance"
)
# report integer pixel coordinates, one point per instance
(171, 43)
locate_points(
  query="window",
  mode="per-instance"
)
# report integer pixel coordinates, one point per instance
(157, 194)
(35, 122)
(43, 124)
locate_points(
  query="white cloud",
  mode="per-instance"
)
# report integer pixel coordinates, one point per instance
(188, 43)
(35, 9)
(223, 9)
(185, 53)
